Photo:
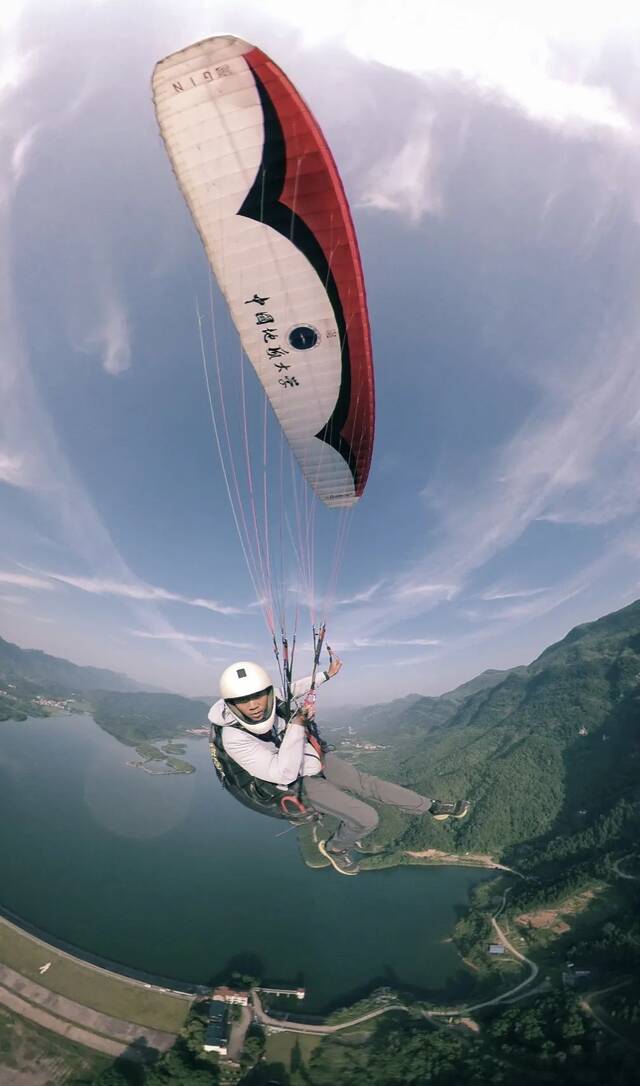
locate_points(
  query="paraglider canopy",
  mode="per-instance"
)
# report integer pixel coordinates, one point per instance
(266, 197)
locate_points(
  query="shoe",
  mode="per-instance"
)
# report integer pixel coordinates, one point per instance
(342, 861)
(441, 810)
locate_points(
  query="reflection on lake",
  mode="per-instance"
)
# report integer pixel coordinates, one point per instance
(170, 875)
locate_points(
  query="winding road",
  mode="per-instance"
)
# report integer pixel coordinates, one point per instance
(586, 1005)
(623, 874)
(303, 1027)
(534, 970)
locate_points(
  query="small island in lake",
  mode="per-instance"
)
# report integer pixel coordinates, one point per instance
(160, 761)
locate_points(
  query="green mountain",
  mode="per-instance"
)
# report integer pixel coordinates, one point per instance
(55, 675)
(549, 756)
(138, 717)
(32, 683)
(414, 713)
(485, 681)
(544, 751)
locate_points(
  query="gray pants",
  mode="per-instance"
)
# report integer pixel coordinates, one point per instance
(329, 794)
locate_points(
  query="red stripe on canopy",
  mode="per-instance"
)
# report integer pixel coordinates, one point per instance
(314, 191)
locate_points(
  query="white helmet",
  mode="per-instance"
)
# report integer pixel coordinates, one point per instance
(241, 680)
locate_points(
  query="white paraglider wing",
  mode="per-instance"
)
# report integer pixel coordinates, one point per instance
(266, 197)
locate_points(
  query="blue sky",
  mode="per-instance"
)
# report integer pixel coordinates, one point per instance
(491, 156)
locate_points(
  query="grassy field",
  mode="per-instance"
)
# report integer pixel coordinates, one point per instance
(35, 1057)
(294, 1050)
(280, 1047)
(103, 991)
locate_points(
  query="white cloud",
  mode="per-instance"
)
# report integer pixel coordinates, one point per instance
(113, 337)
(544, 59)
(14, 61)
(101, 312)
(392, 642)
(497, 594)
(605, 500)
(61, 513)
(361, 597)
(575, 445)
(575, 451)
(108, 333)
(138, 590)
(21, 152)
(12, 469)
(421, 590)
(540, 605)
(175, 635)
(405, 180)
(24, 580)
(552, 470)
(540, 55)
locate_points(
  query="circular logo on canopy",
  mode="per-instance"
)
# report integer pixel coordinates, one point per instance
(303, 337)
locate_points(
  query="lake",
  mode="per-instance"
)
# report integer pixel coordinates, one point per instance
(171, 876)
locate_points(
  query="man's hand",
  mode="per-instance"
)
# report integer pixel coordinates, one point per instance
(304, 715)
(334, 664)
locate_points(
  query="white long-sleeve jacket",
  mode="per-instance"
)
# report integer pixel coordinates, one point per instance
(295, 757)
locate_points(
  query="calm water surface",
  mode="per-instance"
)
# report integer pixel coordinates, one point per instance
(170, 875)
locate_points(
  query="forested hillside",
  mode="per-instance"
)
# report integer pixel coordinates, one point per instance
(55, 675)
(415, 714)
(32, 683)
(548, 752)
(134, 718)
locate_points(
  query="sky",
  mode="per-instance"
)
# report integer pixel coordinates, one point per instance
(491, 156)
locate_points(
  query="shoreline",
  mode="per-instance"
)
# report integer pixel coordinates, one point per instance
(189, 989)
(98, 1009)
(435, 857)
(85, 958)
(171, 987)
(287, 1024)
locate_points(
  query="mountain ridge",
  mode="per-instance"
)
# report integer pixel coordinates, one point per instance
(36, 666)
(543, 752)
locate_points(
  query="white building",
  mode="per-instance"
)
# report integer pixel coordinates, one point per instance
(230, 995)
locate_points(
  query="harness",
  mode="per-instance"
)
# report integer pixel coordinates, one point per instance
(274, 800)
